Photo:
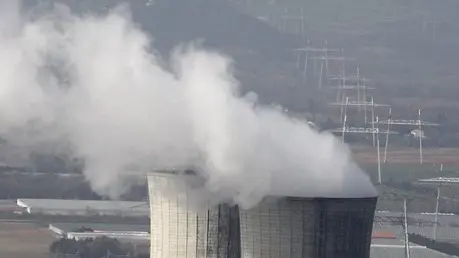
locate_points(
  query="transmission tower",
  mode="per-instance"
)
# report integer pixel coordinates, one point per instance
(353, 81)
(363, 130)
(325, 60)
(419, 123)
(297, 19)
(308, 53)
(346, 103)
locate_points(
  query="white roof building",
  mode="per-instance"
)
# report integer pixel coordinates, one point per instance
(84, 208)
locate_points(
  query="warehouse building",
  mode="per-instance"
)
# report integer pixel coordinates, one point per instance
(389, 235)
(84, 208)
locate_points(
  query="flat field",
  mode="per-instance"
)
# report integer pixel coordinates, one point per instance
(432, 156)
(24, 240)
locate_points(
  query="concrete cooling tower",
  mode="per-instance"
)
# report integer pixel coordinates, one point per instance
(179, 231)
(289, 227)
(278, 227)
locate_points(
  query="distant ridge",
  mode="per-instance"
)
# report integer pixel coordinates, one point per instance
(172, 22)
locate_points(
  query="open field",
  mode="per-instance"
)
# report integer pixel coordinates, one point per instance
(432, 156)
(24, 240)
(403, 165)
(399, 176)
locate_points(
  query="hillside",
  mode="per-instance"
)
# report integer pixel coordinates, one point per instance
(261, 53)
(409, 48)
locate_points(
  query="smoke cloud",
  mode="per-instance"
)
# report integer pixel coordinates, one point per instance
(92, 86)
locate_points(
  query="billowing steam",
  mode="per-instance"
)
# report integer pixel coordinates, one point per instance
(93, 87)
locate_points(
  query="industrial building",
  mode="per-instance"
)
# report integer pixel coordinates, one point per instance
(136, 235)
(389, 235)
(126, 235)
(84, 207)
(396, 249)
(286, 227)
(445, 229)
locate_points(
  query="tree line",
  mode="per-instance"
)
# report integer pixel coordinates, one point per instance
(100, 247)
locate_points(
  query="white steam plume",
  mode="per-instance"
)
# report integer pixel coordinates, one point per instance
(93, 86)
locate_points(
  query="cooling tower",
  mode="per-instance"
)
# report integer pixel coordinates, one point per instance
(178, 230)
(308, 228)
(279, 227)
